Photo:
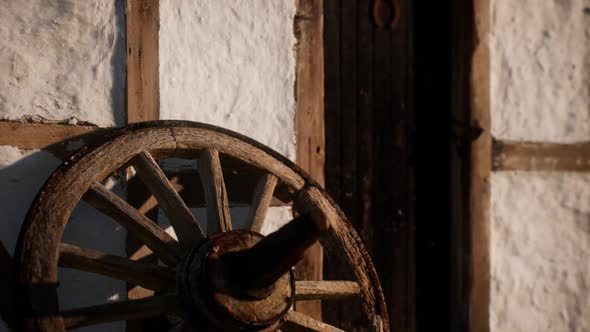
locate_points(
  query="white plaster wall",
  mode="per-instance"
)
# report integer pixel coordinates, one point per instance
(540, 67)
(230, 63)
(540, 252)
(63, 59)
(540, 226)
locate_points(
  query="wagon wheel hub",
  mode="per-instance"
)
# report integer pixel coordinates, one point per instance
(241, 280)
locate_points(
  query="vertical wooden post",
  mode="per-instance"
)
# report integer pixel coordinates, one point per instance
(143, 104)
(142, 28)
(481, 166)
(310, 123)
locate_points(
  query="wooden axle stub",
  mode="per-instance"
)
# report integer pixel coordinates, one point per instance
(212, 298)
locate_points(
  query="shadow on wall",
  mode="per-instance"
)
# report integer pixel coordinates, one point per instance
(22, 174)
(6, 281)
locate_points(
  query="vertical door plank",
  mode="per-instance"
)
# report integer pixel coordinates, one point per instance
(400, 270)
(369, 125)
(332, 97)
(461, 51)
(348, 97)
(345, 15)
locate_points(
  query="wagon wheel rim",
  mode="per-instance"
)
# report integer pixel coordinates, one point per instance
(40, 250)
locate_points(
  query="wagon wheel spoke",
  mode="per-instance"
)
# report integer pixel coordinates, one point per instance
(182, 220)
(218, 216)
(297, 322)
(376, 324)
(261, 201)
(162, 243)
(146, 275)
(326, 290)
(124, 310)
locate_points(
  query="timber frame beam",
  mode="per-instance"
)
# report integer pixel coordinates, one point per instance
(34, 136)
(543, 157)
(309, 123)
(480, 172)
(505, 155)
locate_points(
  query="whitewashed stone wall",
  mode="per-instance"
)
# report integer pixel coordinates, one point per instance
(540, 238)
(228, 63)
(63, 60)
(231, 63)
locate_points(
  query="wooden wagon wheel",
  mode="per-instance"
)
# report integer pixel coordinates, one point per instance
(232, 280)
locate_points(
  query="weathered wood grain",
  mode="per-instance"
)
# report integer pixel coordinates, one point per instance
(376, 324)
(142, 23)
(181, 218)
(218, 217)
(29, 136)
(138, 225)
(297, 322)
(146, 275)
(345, 238)
(124, 310)
(142, 38)
(261, 199)
(479, 177)
(274, 255)
(325, 290)
(540, 157)
(309, 118)
(369, 142)
(189, 140)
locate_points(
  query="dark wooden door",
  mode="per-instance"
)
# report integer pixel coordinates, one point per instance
(389, 153)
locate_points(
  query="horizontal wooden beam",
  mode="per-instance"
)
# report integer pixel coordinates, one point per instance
(240, 178)
(31, 136)
(542, 157)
